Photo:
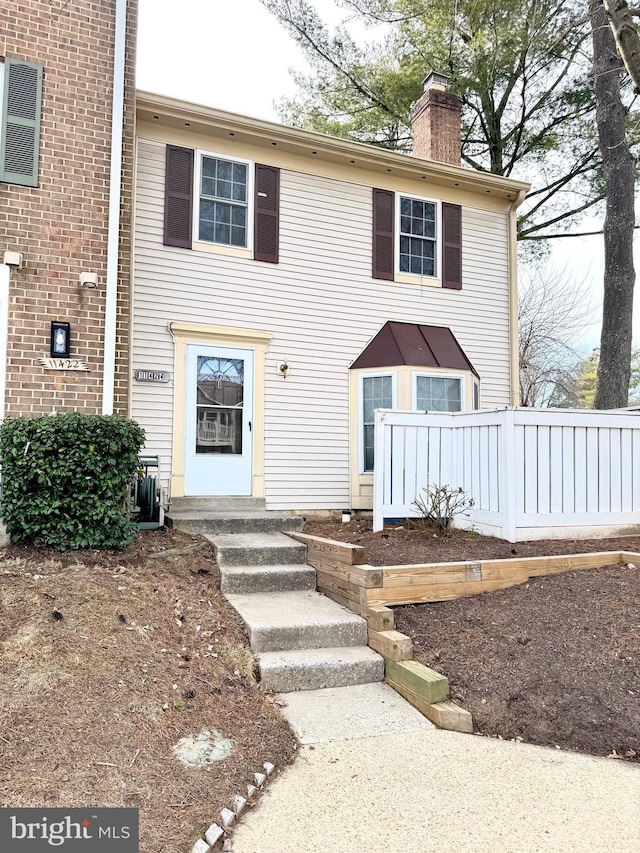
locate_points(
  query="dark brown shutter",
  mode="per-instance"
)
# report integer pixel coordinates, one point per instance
(452, 246)
(267, 214)
(178, 197)
(383, 217)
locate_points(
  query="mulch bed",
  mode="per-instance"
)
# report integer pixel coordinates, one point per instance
(555, 661)
(107, 660)
(411, 543)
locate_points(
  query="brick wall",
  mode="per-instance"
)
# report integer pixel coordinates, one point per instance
(61, 226)
(435, 121)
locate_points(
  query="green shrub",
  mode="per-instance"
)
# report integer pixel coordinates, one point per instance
(65, 478)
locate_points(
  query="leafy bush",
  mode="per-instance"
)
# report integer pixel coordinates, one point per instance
(65, 478)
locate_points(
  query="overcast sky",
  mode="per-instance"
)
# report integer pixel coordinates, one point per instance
(232, 54)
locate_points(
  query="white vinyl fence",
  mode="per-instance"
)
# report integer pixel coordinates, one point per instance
(532, 473)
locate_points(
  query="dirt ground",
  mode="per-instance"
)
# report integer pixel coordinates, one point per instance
(555, 661)
(107, 660)
(409, 543)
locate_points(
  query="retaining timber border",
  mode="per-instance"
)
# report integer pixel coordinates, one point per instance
(370, 591)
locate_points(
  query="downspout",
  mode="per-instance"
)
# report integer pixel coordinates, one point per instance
(113, 239)
(5, 279)
(514, 361)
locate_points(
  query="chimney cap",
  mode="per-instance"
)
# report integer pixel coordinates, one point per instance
(436, 81)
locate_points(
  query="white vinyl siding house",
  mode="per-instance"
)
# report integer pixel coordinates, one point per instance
(320, 306)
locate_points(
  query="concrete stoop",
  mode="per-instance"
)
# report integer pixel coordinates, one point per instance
(303, 640)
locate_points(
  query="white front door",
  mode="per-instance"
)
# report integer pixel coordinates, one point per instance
(218, 422)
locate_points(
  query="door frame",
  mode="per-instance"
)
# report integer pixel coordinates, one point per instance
(218, 336)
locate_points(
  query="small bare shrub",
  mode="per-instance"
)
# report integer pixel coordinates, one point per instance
(439, 504)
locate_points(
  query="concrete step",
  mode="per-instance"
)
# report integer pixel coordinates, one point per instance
(279, 621)
(257, 549)
(349, 713)
(233, 521)
(217, 503)
(250, 579)
(313, 669)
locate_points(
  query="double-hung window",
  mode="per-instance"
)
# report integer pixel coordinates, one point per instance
(417, 237)
(223, 212)
(377, 392)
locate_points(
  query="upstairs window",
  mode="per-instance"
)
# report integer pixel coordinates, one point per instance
(223, 215)
(417, 237)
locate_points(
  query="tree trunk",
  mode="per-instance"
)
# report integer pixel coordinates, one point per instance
(612, 388)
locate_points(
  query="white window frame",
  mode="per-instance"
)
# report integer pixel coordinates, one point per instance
(394, 401)
(438, 241)
(200, 153)
(438, 375)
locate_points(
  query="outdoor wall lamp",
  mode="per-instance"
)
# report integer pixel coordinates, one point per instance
(60, 340)
(88, 279)
(283, 369)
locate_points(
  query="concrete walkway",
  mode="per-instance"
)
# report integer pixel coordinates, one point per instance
(431, 790)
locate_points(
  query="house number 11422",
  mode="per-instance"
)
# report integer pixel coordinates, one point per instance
(64, 364)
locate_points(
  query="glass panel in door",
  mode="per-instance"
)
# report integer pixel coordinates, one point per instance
(219, 405)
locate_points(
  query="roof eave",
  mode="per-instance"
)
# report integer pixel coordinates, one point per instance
(200, 118)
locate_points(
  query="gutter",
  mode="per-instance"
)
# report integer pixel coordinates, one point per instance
(514, 396)
(111, 295)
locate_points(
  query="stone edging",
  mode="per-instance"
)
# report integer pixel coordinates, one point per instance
(216, 836)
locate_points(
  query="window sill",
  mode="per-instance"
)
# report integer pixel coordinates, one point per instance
(409, 278)
(217, 249)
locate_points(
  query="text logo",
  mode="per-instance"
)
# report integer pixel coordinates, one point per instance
(70, 830)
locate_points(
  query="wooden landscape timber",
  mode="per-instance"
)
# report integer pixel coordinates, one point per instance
(391, 644)
(344, 576)
(447, 581)
(428, 692)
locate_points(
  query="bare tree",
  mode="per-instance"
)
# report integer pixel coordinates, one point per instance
(553, 311)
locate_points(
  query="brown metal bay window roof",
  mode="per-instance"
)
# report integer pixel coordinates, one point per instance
(414, 344)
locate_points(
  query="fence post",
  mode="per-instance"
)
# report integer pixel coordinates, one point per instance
(508, 474)
(380, 466)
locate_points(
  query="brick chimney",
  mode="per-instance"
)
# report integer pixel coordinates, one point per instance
(435, 122)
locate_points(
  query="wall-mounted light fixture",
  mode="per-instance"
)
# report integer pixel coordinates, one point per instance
(283, 369)
(14, 259)
(88, 279)
(60, 340)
